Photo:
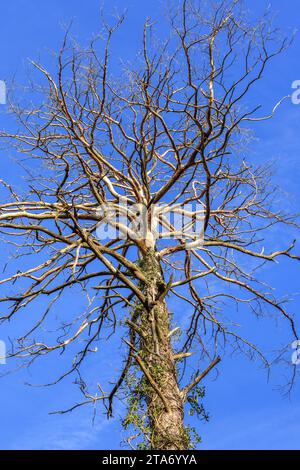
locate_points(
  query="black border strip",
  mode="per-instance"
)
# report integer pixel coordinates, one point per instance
(131, 459)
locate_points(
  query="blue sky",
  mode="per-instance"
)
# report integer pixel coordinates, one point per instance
(246, 409)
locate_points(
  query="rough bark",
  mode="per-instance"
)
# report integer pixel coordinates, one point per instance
(164, 400)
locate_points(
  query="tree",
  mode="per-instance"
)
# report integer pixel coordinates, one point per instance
(144, 199)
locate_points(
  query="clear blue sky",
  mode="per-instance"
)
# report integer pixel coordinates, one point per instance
(247, 412)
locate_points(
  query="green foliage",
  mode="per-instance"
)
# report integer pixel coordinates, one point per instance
(194, 399)
(141, 411)
(136, 420)
(192, 437)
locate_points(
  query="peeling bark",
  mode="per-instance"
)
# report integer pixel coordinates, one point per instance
(165, 409)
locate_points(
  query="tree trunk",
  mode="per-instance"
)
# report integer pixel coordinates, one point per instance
(163, 397)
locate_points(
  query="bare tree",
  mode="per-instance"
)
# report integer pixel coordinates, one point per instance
(130, 156)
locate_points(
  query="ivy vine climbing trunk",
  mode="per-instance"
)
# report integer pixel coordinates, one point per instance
(162, 393)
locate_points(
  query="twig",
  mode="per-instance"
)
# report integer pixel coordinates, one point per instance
(189, 387)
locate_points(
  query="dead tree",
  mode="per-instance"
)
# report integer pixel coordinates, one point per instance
(153, 157)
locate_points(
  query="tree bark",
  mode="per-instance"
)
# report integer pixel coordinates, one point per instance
(164, 400)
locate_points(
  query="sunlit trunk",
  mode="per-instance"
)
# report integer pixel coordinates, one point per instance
(164, 400)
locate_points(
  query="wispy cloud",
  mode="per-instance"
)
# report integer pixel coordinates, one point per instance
(67, 432)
